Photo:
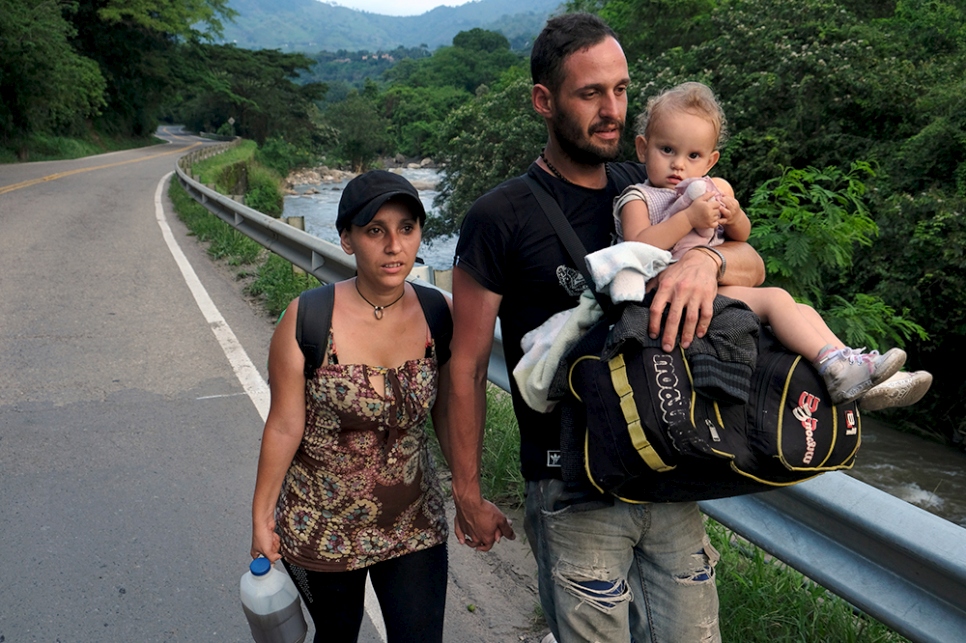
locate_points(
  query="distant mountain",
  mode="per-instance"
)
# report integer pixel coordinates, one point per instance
(310, 26)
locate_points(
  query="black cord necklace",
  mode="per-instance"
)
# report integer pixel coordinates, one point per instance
(377, 310)
(556, 172)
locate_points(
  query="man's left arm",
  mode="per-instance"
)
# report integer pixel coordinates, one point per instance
(687, 289)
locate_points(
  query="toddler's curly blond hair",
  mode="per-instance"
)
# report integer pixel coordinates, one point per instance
(691, 97)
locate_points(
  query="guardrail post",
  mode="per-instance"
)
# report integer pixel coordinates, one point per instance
(299, 224)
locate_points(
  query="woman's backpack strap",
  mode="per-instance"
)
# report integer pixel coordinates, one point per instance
(438, 317)
(313, 324)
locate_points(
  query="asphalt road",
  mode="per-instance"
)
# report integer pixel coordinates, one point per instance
(128, 442)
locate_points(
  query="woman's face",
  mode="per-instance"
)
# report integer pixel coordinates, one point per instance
(385, 248)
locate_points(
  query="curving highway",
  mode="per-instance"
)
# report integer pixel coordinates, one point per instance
(127, 443)
(131, 407)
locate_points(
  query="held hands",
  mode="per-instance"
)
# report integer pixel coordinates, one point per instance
(481, 524)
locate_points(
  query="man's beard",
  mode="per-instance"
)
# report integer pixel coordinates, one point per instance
(577, 145)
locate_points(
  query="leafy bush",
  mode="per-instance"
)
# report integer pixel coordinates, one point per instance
(283, 157)
(264, 191)
(279, 284)
(807, 225)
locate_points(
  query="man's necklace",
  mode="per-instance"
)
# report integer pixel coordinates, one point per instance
(377, 310)
(556, 172)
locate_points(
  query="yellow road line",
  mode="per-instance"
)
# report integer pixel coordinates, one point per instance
(60, 175)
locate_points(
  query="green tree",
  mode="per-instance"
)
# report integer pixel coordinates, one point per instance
(477, 57)
(136, 45)
(415, 114)
(481, 40)
(256, 88)
(45, 86)
(362, 132)
(484, 142)
(650, 27)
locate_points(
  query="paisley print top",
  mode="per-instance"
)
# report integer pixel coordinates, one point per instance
(362, 487)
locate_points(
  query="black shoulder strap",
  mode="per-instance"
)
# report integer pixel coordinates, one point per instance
(315, 320)
(312, 325)
(575, 248)
(438, 317)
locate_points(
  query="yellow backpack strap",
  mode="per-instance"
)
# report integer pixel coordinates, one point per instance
(618, 377)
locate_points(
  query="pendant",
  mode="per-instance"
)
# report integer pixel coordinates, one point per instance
(377, 312)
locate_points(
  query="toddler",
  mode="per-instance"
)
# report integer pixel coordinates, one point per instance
(680, 209)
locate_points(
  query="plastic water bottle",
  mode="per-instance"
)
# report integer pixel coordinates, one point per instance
(272, 604)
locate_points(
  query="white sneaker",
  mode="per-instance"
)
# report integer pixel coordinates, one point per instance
(849, 373)
(902, 389)
(549, 639)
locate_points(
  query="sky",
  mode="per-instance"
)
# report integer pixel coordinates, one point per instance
(396, 7)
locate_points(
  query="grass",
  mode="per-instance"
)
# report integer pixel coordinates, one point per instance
(501, 479)
(272, 278)
(762, 600)
(209, 170)
(278, 285)
(264, 192)
(39, 147)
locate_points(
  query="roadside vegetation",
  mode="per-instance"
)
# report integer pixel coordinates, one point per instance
(269, 277)
(847, 126)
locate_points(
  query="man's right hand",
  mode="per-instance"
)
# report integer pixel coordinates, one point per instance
(481, 524)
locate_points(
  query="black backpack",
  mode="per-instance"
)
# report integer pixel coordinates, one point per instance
(315, 320)
(636, 427)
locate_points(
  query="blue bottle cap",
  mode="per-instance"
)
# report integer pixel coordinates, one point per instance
(260, 566)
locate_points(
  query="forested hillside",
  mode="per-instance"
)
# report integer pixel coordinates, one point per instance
(847, 124)
(310, 26)
(847, 148)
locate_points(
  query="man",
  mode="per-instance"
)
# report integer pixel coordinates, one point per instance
(608, 570)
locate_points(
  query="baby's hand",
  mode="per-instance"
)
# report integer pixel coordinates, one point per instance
(704, 212)
(729, 209)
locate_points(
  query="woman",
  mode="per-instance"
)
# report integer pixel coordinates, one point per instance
(346, 486)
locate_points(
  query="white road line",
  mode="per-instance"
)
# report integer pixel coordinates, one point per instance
(251, 380)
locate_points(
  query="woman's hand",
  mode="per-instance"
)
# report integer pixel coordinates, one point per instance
(265, 542)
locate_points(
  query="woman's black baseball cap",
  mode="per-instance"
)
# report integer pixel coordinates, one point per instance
(366, 193)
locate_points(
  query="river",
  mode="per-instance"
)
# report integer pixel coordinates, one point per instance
(319, 204)
(927, 474)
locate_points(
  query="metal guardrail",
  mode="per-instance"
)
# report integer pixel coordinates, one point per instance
(326, 261)
(894, 561)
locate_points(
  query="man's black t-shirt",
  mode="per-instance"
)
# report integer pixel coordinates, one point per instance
(507, 244)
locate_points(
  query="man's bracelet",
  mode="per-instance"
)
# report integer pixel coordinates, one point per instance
(715, 251)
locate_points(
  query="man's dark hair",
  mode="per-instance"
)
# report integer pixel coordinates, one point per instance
(563, 36)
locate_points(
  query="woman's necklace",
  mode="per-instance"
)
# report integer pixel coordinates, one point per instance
(556, 172)
(377, 310)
